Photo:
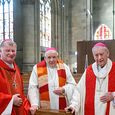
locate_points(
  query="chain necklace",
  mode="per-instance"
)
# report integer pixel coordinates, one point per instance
(14, 84)
(100, 81)
(12, 79)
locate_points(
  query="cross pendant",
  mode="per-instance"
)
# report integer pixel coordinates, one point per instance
(14, 84)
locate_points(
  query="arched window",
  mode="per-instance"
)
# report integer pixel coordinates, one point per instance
(6, 19)
(45, 23)
(103, 32)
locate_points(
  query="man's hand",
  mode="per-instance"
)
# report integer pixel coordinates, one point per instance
(59, 91)
(107, 97)
(70, 109)
(17, 100)
(33, 109)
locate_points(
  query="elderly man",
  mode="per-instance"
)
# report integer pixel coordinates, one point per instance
(50, 83)
(97, 86)
(12, 99)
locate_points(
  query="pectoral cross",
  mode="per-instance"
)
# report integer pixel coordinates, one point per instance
(14, 84)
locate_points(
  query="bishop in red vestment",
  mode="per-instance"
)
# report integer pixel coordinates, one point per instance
(12, 99)
(96, 86)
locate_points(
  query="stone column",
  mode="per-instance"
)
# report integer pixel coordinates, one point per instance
(60, 23)
(17, 15)
(31, 39)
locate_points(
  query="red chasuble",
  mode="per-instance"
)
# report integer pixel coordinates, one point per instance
(10, 84)
(90, 90)
(43, 84)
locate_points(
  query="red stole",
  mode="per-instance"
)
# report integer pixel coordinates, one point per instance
(90, 90)
(43, 84)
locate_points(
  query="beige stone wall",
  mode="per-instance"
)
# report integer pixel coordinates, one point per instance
(78, 27)
(28, 35)
(70, 24)
(103, 13)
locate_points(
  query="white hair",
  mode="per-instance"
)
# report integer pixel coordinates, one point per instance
(51, 51)
(106, 49)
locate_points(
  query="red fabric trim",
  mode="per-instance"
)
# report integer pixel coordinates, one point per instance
(62, 103)
(4, 100)
(42, 64)
(111, 85)
(62, 100)
(44, 88)
(42, 70)
(62, 77)
(90, 92)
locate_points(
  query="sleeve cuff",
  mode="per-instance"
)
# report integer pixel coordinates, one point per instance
(113, 99)
(113, 94)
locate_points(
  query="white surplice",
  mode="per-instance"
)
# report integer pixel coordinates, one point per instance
(101, 84)
(33, 91)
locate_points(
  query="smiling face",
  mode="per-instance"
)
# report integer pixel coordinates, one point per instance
(100, 55)
(8, 51)
(51, 58)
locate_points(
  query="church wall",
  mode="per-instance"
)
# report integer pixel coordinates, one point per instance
(85, 23)
(28, 36)
(18, 31)
(31, 35)
(103, 14)
(78, 27)
(60, 28)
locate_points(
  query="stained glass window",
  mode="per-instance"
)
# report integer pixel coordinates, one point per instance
(6, 19)
(103, 32)
(45, 23)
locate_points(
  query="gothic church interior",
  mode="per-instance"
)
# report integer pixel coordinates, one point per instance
(38, 24)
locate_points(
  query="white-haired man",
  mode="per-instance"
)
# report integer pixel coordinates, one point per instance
(97, 86)
(12, 99)
(49, 80)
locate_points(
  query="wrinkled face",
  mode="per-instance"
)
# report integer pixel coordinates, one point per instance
(8, 53)
(51, 59)
(100, 55)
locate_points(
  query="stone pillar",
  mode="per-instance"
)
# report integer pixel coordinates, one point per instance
(17, 14)
(31, 40)
(27, 1)
(60, 23)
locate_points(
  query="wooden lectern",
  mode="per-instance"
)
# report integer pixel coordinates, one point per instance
(51, 112)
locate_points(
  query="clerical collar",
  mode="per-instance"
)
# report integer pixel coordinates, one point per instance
(10, 65)
(100, 68)
(51, 67)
